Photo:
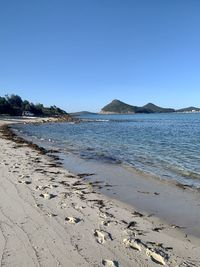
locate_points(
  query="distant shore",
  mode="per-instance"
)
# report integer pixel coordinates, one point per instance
(50, 217)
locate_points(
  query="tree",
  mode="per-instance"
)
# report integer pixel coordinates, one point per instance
(15, 101)
(26, 106)
(4, 106)
(14, 105)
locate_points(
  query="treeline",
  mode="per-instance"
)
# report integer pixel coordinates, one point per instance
(13, 105)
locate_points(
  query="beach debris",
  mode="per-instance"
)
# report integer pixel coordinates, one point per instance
(55, 165)
(183, 186)
(39, 170)
(159, 245)
(72, 220)
(24, 182)
(132, 225)
(53, 186)
(24, 176)
(158, 229)
(109, 263)
(105, 223)
(102, 236)
(80, 193)
(65, 194)
(82, 175)
(38, 205)
(98, 202)
(43, 187)
(177, 226)
(155, 244)
(77, 183)
(96, 184)
(51, 214)
(15, 166)
(39, 187)
(64, 183)
(151, 215)
(47, 196)
(143, 192)
(63, 205)
(132, 244)
(107, 214)
(54, 172)
(155, 257)
(71, 176)
(108, 185)
(77, 207)
(138, 214)
(123, 221)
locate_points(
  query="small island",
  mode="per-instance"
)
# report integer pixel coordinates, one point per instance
(119, 107)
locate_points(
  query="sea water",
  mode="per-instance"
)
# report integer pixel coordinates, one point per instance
(166, 146)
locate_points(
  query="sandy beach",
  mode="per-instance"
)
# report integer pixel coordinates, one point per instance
(52, 217)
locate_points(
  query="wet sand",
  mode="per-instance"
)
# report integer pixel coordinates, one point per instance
(166, 200)
(52, 217)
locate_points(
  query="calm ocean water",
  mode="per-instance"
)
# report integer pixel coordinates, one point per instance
(165, 145)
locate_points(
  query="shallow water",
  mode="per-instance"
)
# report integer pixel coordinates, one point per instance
(163, 145)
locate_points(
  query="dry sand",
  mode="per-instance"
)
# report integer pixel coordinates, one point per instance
(50, 217)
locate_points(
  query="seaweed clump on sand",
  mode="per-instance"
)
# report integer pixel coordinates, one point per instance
(8, 134)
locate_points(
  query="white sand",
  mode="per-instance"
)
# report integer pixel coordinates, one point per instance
(50, 217)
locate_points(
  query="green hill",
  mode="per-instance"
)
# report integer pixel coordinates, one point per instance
(151, 108)
(189, 109)
(80, 113)
(117, 106)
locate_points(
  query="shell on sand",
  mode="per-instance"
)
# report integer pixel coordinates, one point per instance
(78, 192)
(24, 176)
(48, 196)
(109, 263)
(77, 207)
(48, 186)
(24, 182)
(65, 194)
(105, 223)
(39, 187)
(72, 220)
(45, 195)
(43, 187)
(38, 205)
(102, 236)
(51, 214)
(63, 205)
(132, 244)
(156, 257)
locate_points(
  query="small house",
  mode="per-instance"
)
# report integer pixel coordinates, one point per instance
(27, 113)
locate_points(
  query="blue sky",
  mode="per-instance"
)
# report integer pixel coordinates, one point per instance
(80, 54)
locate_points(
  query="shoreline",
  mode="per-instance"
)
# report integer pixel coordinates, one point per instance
(164, 199)
(104, 222)
(167, 200)
(185, 185)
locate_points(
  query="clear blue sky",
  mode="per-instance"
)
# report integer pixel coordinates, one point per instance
(81, 54)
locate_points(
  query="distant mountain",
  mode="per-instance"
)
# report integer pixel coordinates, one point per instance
(189, 109)
(119, 107)
(151, 108)
(82, 113)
